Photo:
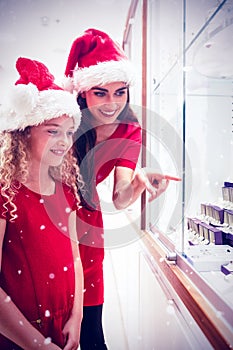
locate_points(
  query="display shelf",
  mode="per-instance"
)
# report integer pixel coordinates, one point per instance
(215, 324)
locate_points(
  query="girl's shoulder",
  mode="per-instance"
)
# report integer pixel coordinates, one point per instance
(66, 190)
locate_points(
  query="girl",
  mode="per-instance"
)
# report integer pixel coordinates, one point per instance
(41, 287)
(109, 137)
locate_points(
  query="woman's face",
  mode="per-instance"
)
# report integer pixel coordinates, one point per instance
(106, 102)
(50, 141)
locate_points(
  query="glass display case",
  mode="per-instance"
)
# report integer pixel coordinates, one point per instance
(187, 117)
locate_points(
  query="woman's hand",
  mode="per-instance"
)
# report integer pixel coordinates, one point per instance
(129, 186)
(156, 183)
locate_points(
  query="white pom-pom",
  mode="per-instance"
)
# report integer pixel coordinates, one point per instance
(67, 84)
(23, 98)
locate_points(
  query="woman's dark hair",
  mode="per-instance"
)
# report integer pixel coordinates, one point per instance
(85, 139)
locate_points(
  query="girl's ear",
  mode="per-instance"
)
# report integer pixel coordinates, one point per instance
(83, 94)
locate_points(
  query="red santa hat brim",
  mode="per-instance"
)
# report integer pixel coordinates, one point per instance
(35, 99)
(103, 73)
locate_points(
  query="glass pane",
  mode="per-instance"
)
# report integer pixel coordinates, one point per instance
(208, 71)
(164, 119)
(190, 119)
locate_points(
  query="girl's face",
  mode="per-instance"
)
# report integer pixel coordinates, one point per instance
(106, 102)
(50, 141)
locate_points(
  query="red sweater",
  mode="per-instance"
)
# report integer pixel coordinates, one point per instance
(120, 149)
(37, 263)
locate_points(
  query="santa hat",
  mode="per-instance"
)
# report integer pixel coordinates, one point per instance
(95, 59)
(35, 98)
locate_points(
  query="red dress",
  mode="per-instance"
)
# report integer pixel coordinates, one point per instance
(120, 149)
(37, 263)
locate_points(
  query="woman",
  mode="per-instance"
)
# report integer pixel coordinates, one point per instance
(109, 138)
(41, 285)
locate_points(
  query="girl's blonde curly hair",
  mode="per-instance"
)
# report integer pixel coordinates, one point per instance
(14, 159)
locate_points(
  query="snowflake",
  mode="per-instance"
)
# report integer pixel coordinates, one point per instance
(7, 299)
(170, 310)
(47, 313)
(47, 341)
(219, 314)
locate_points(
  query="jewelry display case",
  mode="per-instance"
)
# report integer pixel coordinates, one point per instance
(185, 49)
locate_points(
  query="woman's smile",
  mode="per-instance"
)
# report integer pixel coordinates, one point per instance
(108, 113)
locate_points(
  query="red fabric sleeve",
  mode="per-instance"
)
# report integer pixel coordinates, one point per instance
(132, 147)
(121, 149)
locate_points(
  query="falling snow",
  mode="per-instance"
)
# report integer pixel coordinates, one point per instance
(47, 341)
(7, 299)
(170, 308)
(219, 314)
(47, 313)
